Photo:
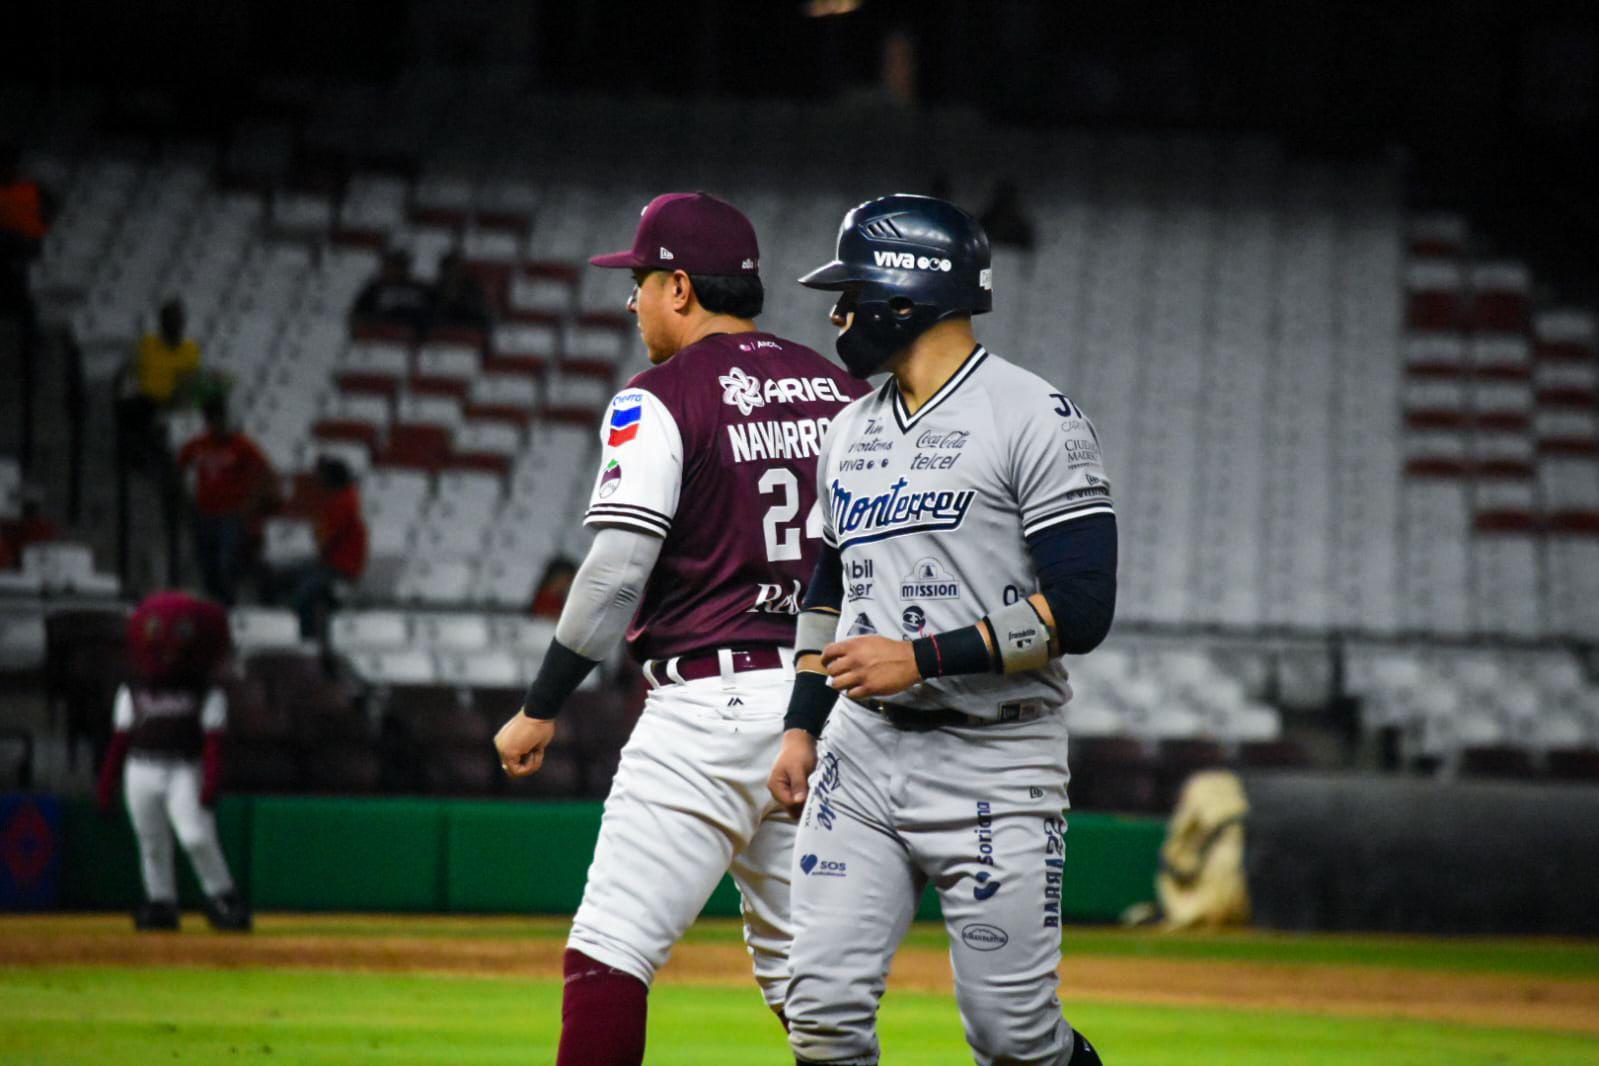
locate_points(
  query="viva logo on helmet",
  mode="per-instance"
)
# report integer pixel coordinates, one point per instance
(909, 261)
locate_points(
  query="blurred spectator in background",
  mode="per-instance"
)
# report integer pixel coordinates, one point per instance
(458, 297)
(25, 211)
(169, 358)
(165, 364)
(234, 486)
(895, 87)
(553, 587)
(30, 527)
(394, 297)
(341, 550)
(1005, 219)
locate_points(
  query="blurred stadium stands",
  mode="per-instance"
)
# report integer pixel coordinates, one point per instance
(1357, 464)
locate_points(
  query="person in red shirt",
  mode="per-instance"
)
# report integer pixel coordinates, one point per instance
(30, 528)
(233, 485)
(341, 548)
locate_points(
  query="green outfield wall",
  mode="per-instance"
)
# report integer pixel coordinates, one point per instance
(470, 856)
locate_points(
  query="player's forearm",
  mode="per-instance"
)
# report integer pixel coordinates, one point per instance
(1071, 613)
(603, 599)
(812, 699)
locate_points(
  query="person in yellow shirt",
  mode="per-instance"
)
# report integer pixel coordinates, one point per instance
(166, 357)
(161, 373)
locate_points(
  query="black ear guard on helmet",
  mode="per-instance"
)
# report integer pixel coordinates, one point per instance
(903, 263)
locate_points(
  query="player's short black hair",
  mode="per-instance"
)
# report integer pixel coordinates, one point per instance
(739, 295)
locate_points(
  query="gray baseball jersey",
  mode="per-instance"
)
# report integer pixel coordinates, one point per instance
(931, 512)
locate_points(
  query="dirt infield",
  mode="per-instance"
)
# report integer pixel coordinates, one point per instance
(502, 947)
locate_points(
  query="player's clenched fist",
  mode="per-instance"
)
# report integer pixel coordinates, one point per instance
(791, 772)
(521, 743)
(870, 666)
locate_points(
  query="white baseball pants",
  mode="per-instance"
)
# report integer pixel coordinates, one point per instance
(689, 803)
(976, 811)
(163, 794)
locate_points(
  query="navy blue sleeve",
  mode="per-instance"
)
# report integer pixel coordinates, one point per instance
(1076, 564)
(826, 591)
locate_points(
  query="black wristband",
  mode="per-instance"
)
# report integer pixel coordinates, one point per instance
(561, 672)
(810, 703)
(960, 651)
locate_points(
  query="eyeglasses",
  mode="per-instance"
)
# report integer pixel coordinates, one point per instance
(639, 277)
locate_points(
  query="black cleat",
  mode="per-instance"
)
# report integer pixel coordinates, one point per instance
(1083, 1053)
(228, 914)
(156, 916)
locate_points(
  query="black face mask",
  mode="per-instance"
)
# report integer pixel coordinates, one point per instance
(860, 356)
(877, 333)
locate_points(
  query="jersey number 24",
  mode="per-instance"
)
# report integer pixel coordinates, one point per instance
(782, 539)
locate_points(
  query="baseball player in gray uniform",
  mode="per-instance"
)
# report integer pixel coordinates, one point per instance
(969, 540)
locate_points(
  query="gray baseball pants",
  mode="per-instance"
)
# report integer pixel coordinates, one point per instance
(977, 811)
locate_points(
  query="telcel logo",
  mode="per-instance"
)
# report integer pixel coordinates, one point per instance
(908, 261)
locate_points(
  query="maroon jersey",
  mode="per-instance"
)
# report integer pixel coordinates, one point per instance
(169, 720)
(715, 451)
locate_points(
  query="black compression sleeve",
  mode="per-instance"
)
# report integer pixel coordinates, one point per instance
(561, 672)
(810, 703)
(826, 591)
(1076, 565)
(959, 651)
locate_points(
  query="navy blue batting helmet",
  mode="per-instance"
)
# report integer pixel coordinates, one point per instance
(903, 263)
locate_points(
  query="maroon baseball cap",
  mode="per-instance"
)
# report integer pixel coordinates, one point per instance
(692, 232)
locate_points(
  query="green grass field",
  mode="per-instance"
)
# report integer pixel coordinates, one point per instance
(73, 1013)
(82, 1015)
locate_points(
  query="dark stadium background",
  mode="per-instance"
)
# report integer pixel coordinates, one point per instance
(1488, 111)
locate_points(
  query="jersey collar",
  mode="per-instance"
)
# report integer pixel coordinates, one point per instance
(904, 418)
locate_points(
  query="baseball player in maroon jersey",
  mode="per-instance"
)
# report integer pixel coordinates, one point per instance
(169, 722)
(707, 525)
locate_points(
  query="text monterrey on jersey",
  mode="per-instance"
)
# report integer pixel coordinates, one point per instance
(897, 512)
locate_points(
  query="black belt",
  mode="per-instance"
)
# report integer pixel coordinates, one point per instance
(918, 720)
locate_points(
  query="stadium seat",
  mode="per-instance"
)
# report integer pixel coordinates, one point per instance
(445, 368)
(287, 541)
(401, 666)
(482, 670)
(453, 632)
(524, 347)
(256, 628)
(350, 632)
(373, 366)
(510, 398)
(356, 416)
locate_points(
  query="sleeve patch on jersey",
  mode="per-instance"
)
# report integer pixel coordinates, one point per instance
(624, 424)
(612, 478)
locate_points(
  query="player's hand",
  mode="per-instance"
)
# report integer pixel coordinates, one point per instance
(791, 773)
(521, 743)
(861, 667)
